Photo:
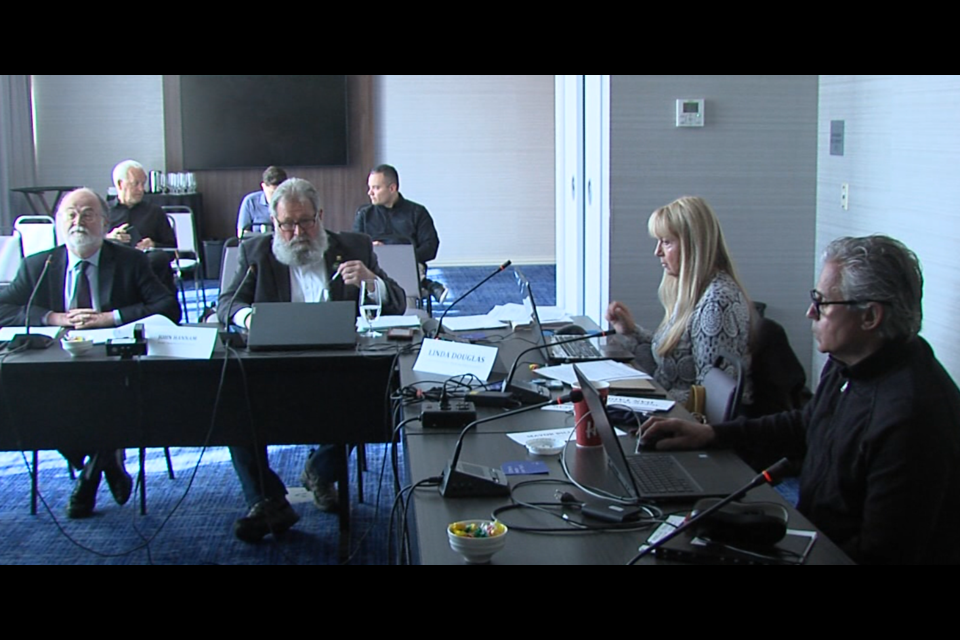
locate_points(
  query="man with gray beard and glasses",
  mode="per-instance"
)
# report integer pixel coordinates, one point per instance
(300, 262)
(88, 284)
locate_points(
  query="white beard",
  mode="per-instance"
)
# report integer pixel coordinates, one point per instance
(81, 241)
(300, 251)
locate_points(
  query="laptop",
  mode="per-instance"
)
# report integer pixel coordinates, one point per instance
(656, 476)
(556, 351)
(284, 326)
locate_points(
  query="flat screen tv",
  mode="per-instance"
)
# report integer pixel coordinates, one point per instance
(234, 122)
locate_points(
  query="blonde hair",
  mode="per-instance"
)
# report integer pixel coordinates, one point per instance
(703, 254)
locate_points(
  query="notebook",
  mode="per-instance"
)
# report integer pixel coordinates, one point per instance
(653, 476)
(557, 353)
(278, 326)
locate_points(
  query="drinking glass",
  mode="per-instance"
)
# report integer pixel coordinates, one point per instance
(371, 303)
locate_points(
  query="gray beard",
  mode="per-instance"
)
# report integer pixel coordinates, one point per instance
(81, 241)
(300, 251)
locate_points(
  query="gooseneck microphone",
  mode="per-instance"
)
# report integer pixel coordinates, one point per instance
(527, 393)
(465, 480)
(439, 328)
(772, 475)
(233, 339)
(251, 270)
(25, 340)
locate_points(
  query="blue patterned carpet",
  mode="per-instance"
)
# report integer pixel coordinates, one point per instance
(186, 523)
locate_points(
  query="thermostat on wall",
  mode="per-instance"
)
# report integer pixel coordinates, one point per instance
(690, 112)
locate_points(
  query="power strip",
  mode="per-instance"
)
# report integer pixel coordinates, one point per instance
(456, 415)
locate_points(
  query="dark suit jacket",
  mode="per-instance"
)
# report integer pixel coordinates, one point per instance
(270, 281)
(127, 284)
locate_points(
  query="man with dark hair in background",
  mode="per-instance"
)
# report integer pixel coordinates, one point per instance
(392, 219)
(255, 207)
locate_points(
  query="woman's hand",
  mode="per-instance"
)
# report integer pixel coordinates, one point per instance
(620, 318)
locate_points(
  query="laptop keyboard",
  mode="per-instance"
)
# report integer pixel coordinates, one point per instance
(582, 349)
(659, 475)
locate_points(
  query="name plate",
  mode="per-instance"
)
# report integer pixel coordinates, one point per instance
(191, 343)
(455, 358)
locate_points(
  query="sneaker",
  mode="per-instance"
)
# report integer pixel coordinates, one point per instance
(324, 493)
(438, 291)
(273, 515)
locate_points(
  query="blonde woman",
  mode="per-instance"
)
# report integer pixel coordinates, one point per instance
(706, 310)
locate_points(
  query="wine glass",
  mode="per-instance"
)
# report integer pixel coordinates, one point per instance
(371, 303)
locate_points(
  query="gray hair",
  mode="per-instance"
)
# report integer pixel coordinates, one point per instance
(296, 190)
(121, 170)
(104, 207)
(880, 269)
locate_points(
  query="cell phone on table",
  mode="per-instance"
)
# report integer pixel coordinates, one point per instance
(398, 333)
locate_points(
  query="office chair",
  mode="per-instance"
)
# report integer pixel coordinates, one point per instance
(723, 392)
(779, 380)
(37, 233)
(10, 258)
(186, 257)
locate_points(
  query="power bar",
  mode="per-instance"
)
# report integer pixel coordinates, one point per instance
(456, 415)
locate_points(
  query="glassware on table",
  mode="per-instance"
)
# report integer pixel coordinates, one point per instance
(371, 304)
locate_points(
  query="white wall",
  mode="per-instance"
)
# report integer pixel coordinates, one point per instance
(478, 152)
(86, 124)
(901, 159)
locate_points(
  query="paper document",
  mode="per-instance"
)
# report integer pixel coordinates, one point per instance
(390, 322)
(471, 323)
(567, 433)
(598, 371)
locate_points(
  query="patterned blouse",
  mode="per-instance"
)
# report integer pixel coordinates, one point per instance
(720, 323)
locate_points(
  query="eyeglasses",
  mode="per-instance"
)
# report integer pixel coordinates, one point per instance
(817, 299)
(305, 225)
(87, 215)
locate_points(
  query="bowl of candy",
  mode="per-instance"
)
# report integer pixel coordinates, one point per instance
(477, 540)
(76, 345)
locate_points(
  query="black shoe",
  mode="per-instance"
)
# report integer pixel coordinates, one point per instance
(84, 496)
(273, 515)
(438, 291)
(119, 481)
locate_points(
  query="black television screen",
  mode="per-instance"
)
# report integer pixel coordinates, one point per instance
(233, 122)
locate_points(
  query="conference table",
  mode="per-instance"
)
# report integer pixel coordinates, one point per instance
(49, 400)
(427, 452)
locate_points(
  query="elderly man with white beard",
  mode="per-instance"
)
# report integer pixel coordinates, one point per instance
(87, 284)
(298, 263)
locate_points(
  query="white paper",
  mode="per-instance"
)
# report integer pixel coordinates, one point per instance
(7, 333)
(645, 405)
(189, 343)
(390, 322)
(471, 323)
(598, 371)
(566, 433)
(519, 314)
(455, 358)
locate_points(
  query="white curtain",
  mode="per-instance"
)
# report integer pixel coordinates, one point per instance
(17, 158)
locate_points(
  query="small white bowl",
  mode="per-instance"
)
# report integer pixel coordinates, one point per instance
(76, 347)
(477, 550)
(545, 446)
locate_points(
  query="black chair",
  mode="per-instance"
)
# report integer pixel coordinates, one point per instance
(779, 380)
